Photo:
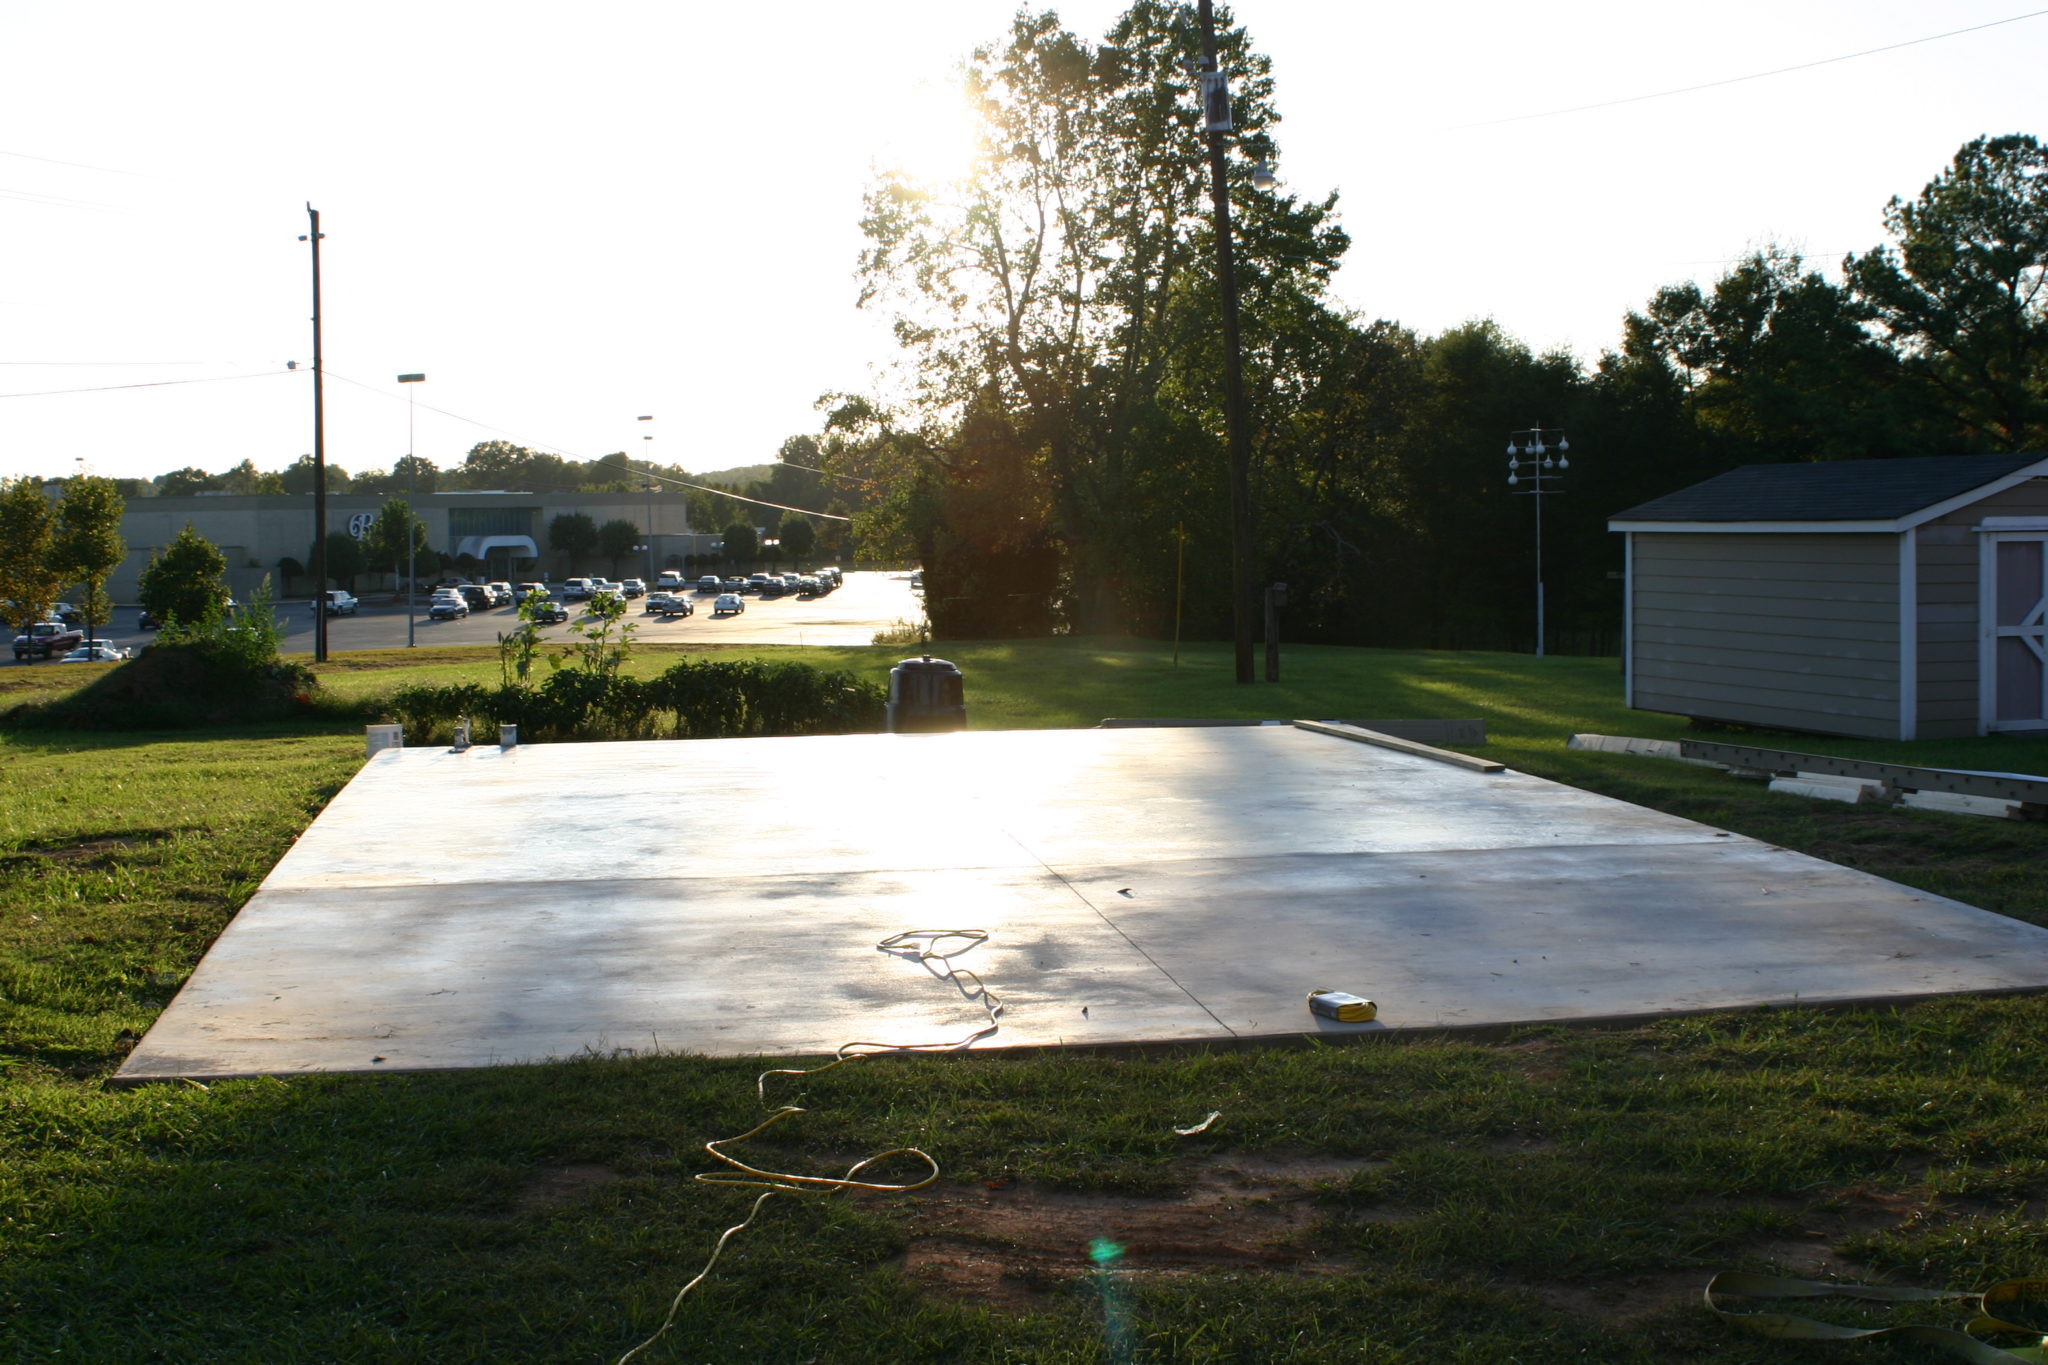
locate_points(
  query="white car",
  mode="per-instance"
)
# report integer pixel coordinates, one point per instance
(341, 603)
(728, 604)
(98, 652)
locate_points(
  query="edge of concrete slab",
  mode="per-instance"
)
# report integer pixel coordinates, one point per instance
(1329, 1033)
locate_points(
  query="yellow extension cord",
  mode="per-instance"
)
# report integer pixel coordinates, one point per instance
(925, 944)
(2009, 1308)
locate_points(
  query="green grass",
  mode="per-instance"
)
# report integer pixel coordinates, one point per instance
(1557, 1196)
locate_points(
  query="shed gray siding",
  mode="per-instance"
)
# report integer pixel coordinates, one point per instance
(1799, 631)
(1947, 588)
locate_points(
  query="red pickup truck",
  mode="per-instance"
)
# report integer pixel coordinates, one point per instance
(47, 639)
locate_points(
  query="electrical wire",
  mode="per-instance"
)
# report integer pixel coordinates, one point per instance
(571, 454)
(924, 943)
(727, 493)
(151, 384)
(1753, 76)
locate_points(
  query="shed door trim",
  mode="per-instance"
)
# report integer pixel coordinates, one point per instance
(2011, 617)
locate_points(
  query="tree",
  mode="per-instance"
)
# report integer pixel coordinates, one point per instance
(28, 583)
(799, 538)
(87, 544)
(186, 583)
(298, 477)
(741, 545)
(1058, 314)
(572, 535)
(616, 539)
(385, 541)
(1777, 360)
(345, 560)
(1960, 291)
(183, 483)
(246, 478)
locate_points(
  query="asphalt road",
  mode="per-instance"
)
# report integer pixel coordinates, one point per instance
(866, 603)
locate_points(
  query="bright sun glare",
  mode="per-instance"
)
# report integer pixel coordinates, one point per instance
(932, 136)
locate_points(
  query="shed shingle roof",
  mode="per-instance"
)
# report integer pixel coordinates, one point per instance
(1833, 490)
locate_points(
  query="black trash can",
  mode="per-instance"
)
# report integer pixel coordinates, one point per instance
(926, 695)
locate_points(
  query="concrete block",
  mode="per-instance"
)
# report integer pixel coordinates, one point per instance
(1962, 805)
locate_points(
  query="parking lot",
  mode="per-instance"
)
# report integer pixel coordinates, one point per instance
(866, 603)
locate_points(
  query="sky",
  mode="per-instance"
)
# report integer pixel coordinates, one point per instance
(568, 217)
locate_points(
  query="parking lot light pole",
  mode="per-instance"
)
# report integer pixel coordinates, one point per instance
(1528, 450)
(651, 575)
(412, 472)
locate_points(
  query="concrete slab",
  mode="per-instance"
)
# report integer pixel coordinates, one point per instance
(725, 897)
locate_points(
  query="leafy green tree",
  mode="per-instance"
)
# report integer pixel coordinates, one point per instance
(799, 538)
(573, 535)
(29, 581)
(1059, 320)
(345, 560)
(187, 582)
(385, 541)
(616, 539)
(741, 544)
(1777, 360)
(298, 477)
(1959, 290)
(246, 478)
(87, 544)
(184, 483)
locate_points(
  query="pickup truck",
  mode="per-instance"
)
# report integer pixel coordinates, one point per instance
(45, 639)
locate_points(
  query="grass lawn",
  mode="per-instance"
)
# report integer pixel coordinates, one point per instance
(1557, 1196)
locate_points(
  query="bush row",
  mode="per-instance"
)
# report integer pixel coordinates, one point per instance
(693, 700)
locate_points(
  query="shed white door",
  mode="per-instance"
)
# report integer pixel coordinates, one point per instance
(2014, 660)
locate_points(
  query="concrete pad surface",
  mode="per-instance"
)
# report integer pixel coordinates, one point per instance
(726, 896)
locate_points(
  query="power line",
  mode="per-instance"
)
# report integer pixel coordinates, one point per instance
(152, 384)
(78, 165)
(628, 468)
(1753, 76)
(727, 493)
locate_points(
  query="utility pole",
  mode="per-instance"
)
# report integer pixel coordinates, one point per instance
(1216, 122)
(412, 513)
(319, 458)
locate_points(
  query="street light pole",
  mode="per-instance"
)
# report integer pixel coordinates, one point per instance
(412, 472)
(1216, 122)
(1528, 450)
(651, 575)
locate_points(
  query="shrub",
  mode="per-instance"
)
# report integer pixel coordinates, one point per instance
(723, 699)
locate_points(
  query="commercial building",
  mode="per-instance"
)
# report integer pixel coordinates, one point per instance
(484, 535)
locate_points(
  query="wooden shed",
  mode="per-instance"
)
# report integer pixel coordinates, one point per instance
(1887, 599)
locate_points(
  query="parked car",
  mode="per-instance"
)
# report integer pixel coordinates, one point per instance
(632, 587)
(675, 605)
(728, 604)
(655, 600)
(548, 611)
(341, 603)
(527, 590)
(735, 585)
(501, 593)
(575, 589)
(447, 604)
(672, 579)
(477, 596)
(710, 583)
(95, 652)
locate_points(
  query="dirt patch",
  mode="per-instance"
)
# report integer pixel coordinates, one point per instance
(1626, 1299)
(1005, 1244)
(556, 1186)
